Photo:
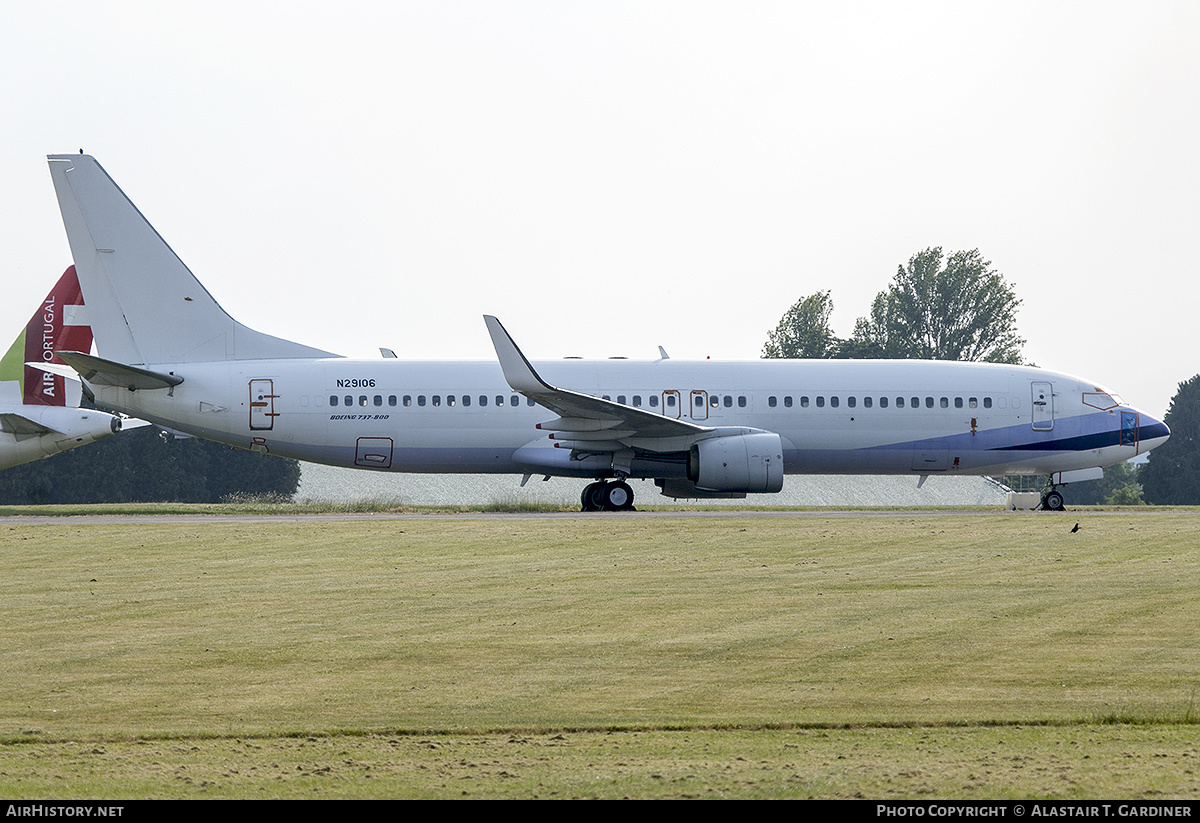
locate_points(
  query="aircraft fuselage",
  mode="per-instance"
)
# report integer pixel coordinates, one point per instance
(833, 416)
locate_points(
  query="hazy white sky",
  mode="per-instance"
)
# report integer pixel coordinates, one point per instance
(607, 177)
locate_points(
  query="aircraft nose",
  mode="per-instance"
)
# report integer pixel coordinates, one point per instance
(1151, 431)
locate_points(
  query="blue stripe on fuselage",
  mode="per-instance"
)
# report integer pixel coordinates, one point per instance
(1090, 431)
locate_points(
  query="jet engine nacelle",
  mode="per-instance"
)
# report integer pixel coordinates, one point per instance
(75, 427)
(737, 463)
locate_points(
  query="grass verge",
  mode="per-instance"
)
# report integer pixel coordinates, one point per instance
(645, 638)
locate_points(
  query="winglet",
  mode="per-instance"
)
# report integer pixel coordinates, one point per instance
(519, 373)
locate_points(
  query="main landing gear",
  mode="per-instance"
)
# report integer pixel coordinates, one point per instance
(614, 496)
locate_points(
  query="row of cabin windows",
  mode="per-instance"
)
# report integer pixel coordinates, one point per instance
(669, 400)
(728, 401)
(349, 400)
(900, 402)
(420, 400)
(715, 401)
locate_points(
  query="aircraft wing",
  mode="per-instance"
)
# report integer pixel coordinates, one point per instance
(19, 424)
(586, 421)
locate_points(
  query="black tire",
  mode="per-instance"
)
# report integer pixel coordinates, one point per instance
(1053, 501)
(617, 497)
(589, 499)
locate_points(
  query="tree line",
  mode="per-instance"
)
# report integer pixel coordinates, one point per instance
(148, 465)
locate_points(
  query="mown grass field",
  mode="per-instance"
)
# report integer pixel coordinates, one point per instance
(886, 655)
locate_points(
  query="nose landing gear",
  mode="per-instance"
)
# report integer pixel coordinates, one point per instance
(1052, 499)
(615, 496)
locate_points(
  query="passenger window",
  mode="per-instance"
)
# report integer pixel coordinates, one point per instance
(958, 402)
(333, 399)
(867, 402)
(377, 400)
(787, 402)
(621, 399)
(916, 403)
(883, 402)
(834, 402)
(714, 400)
(771, 401)
(515, 400)
(420, 400)
(973, 402)
(851, 401)
(945, 402)
(654, 401)
(728, 401)
(348, 400)
(741, 401)
(450, 400)
(929, 402)
(820, 402)
(637, 401)
(804, 401)
(499, 400)
(466, 400)
(437, 400)
(408, 400)
(529, 401)
(670, 401)
(899, 402)
(483, 399)
(987, 402)
(391, 399)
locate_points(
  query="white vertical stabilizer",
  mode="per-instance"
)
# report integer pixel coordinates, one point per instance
(145, 306)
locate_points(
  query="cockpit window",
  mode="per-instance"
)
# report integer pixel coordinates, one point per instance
(1100, 400)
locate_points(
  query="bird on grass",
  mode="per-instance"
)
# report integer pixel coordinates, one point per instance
(1075, 528)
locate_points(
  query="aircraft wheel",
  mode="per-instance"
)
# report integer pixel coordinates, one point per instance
(590, 497)
(1053, 501)
(617, 496)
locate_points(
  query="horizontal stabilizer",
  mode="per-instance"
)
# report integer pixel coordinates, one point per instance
(103, 372)
(12, 423)
(54, 368)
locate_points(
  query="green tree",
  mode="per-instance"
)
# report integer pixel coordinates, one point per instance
(1172, 474)
(956, 308)
(961, 309)
(1120, 486)
(804, 330)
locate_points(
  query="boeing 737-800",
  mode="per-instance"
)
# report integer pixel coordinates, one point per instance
(39, 414)
(169, 354)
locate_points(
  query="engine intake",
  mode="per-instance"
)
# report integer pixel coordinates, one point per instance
(738, 463)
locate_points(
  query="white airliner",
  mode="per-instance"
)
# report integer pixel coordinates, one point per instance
(39, 414)
(169, 354)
